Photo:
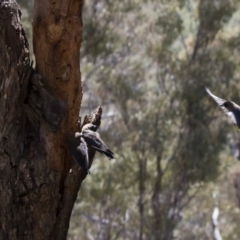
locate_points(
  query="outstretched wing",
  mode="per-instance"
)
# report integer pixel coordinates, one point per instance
(220, 102)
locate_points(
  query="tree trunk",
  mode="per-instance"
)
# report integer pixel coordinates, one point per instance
(142, 162)
(156, 203)
(38, 115)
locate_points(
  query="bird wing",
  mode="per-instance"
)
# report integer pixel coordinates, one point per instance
(93, 140)
(79, 152)
(232, 116)
(82, 159)
(220, 102)
(83, 149)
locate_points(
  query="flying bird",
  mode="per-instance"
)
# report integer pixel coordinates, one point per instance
(229, 107)
(93, 140)
(79, 152)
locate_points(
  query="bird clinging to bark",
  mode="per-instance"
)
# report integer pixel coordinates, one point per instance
(229, 107)
(93, 140)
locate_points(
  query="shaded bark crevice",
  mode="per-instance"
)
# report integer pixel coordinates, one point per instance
(39, 104)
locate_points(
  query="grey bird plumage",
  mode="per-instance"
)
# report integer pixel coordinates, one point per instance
(79, 152)
(82, 148)
(229, 107)
(94, 141)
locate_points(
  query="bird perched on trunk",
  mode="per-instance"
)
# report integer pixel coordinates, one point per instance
(79, 153)
(93, 140)
(229, 107)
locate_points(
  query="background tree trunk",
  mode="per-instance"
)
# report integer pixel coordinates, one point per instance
(39, 114)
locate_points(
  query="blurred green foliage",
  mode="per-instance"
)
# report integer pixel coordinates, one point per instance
(146, 63)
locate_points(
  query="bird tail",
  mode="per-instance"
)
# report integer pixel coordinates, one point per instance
(108, 153)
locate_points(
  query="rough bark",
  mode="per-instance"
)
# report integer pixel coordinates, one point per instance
(38, 115)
